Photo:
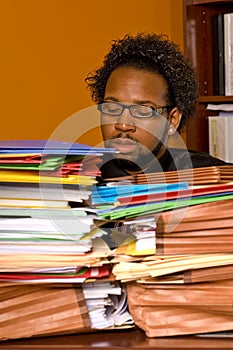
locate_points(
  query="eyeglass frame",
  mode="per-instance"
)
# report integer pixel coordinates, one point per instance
(156, 111)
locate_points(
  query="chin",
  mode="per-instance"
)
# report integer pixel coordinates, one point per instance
(126, 157)
(127, 164)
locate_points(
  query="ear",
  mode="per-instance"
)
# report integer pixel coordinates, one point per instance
(175, 117)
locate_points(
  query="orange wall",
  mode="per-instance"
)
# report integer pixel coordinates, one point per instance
(49, 46)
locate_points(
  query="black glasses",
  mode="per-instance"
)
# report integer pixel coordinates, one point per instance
(138, 111)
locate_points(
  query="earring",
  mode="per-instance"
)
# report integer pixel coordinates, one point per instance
(171, 130)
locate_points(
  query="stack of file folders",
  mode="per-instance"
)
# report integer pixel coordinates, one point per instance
(75, 255)
(55, 275)
(196, 176)
(185, 285)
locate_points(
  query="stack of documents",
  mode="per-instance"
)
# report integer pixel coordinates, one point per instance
(46, 173)
(44, 223)
(195, 176)
(170, 268)
(39, 195)
(49, 309)
(121, 201)
(132, 200)
(107, 305)
(164, 310)
(189, 277)
(189, 221)
(52, 247)
(47, 161)
(203, 228)
(95, 245)
(46, 231)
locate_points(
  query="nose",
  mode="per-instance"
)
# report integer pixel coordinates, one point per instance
(125, 122)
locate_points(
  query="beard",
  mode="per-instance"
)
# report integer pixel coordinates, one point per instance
(147, 160)
(143, 163)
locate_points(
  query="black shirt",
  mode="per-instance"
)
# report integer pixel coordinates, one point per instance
(173, 159)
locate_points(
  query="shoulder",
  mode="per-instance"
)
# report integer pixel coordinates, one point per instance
(185, 159)
(202, 159)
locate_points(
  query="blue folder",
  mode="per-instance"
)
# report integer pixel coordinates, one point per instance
(110, 194)
(50, 147)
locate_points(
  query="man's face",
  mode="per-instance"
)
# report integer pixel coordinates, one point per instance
(134, 138)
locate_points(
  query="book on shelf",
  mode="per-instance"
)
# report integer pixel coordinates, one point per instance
(222, 53)
(220, 137)
(218, 54)
(228, 53)
(221, 108)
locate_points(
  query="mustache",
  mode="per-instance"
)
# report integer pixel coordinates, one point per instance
(124, 136)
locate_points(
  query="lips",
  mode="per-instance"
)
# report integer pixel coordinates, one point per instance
(124, 145)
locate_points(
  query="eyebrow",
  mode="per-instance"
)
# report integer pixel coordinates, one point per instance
(136, 102)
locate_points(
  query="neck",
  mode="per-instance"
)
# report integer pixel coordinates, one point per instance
(150, 163)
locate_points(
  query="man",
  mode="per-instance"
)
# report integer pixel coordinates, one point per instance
(146, 91)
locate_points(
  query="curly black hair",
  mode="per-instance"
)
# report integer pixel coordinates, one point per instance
(154, 53)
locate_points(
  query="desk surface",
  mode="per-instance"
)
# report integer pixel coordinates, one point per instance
(127, 339)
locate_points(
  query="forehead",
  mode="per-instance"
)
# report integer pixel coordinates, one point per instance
(126, 84)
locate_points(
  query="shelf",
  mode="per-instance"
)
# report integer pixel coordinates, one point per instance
(198, 46)
(213, 99)
(206, 2)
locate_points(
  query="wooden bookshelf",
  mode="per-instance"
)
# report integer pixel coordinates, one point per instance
(198, 47)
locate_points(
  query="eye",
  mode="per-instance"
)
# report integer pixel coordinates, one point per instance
(142, 111)
(111, 108)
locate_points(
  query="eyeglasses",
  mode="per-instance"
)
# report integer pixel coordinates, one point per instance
(138, 111)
